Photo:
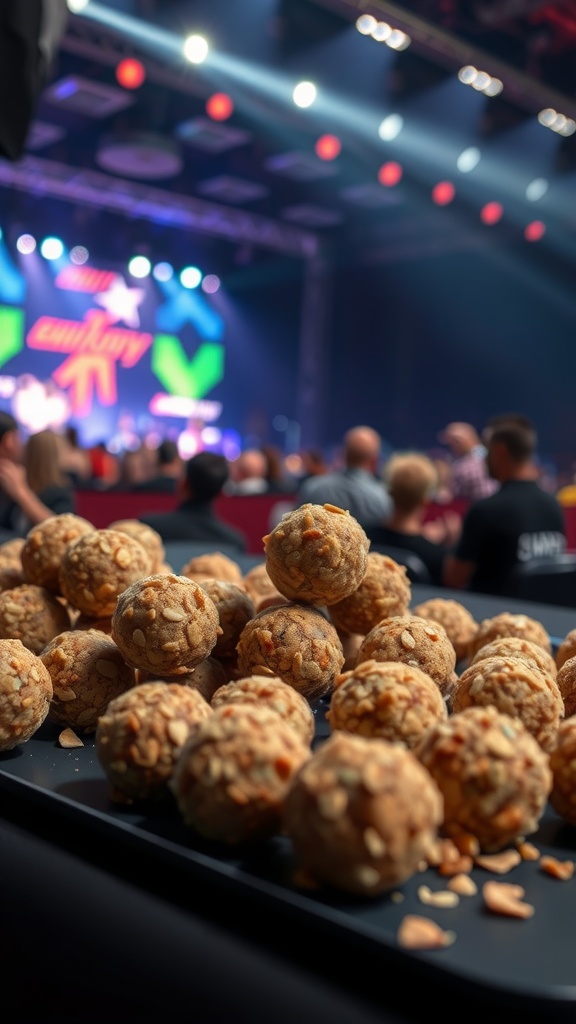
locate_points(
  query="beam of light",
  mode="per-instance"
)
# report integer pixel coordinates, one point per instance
(149, 36)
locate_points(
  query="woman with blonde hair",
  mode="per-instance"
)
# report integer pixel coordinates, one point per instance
(39, 488)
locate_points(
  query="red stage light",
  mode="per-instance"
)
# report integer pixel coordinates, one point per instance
(219, 106)
(491, 213)
(328, 147)
(443, 193)
(390, 174)
(534, 231)
(130, 73)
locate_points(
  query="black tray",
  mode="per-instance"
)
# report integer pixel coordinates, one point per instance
(530, 964)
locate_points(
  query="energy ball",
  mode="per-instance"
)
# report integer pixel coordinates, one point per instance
(11, 552)
(259, 586)
(213, 565)
(518, 647)
(10, 577)
(566, 648)
(566, 679)
(295, 642)
(25, 693)
(206, 677)
(563, 766)
(235, 608)
(97, 567)
(88, 622)
(271, 692)
(87, 671)
(31, 614)
(149, 538)
(385, 590)
(515, 687)
(362, 814)
(140, 735)
(165, 624)
(316, 554)
(458, 622)
(507, 624)
(386, 699)
(351, 643)
(494, 776)
(44, 547)
(233, 773)
(415, 641)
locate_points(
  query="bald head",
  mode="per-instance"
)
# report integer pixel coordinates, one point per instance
(362, 447)
(250, 463)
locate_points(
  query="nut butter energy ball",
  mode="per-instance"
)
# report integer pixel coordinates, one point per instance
(566, 648)
(385, 590)
(362, 814)
(97, 567)
(235, 608)
(87, 671)
(507, 624)
(566, 679)
(271, 692)
(295, 642)
(563, 767)
(149, 538)
(459, 623)
(387, 699)
(415, 641)
(212, 565)
(233, 772)
(44, 547)
(494, 776)
(165, 624)
(518, 647)
(515, 687)
(259, 586)
(316, 554)
(25, 693)
(141, 734)
(31, 614)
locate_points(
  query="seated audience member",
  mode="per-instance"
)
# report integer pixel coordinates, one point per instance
(279, 481)
(354, 487)
(469, 478)
(313, 464)
(37, 489)
(518, 522)
(195, 518)
(167, 471)
(412, 479)
(74, 460)
(248, 473)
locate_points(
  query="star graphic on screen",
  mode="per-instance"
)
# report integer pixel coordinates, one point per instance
(121, 302)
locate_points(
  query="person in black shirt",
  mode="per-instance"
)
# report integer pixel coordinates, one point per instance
(519, 522)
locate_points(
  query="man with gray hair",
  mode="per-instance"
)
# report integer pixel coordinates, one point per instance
(356, 486)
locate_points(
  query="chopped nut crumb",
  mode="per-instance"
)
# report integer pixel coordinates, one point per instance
(500, 863)
(421, 933)
(562, 869)
(505, 898)
(69, 739)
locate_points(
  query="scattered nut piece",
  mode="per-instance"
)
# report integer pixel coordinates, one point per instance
(441, 898)
(562, 869)
(462, 866)
(505, 898)
(500, 863)
(528, 851)
(69, 739)
(421, 933)
(463, 885)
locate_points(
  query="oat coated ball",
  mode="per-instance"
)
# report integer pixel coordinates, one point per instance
(272, 692)
(97, 567)
(165, 624)
(566, 679)
(566, 648)
(212, 565)
(494, 776)
(362, 814)
(232, 775)
(235, 608)
(206, 677)
(25, 693)
(11, 552)
(316, 554)
(140, 735)
(149, 538)
(87, 671)
(387, 699)
(31, 614)
(415, 641)
(44, 547)
(295, 642)
(385, 590)
(507, 624)
(459, 623)
(518, 647)
(259, 586)
(563, 766)
(515, 687)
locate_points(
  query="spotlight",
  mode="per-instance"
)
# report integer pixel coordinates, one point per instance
(195, 49)
(491, 213)
(219, 106)
(366, 24)
(76, 5)
(391, 127)
(51, 248)
(534, 231)
(26, 244)
(537, 188)
(190, 277)
(468, 159)
(328, 147)
(130, 73)
(558, 123)
(210, 284)
(163, 272)
(139, 266)
(390, 174)
(443, 193)
(79, 254)
(304, 94)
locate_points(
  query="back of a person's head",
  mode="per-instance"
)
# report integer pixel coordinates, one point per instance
(42, 459)
(518, 437)
(167, 452)
(250, 463)
(206, 474)
(411, 478)
(362, 447)
(503, 418)
(7, 423)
